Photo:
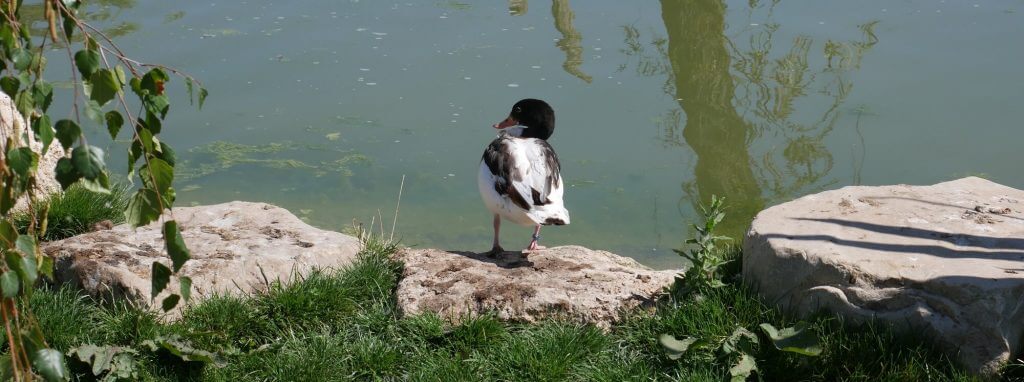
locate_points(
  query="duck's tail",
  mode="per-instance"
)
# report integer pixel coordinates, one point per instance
(550, 215)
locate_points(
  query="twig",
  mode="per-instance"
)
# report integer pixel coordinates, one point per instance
(381, 219)
(370, 232)
(397, 205)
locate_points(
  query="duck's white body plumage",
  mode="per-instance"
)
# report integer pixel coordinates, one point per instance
(520, 180)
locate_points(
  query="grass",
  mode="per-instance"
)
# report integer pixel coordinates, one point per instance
(77, 210)
(345, 326)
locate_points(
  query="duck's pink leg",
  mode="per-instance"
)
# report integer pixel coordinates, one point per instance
(495, 247)
(533, 243)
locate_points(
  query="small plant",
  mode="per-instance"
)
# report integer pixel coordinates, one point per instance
(742, 346)
(120, 363)
(704, 257)
(108, 363)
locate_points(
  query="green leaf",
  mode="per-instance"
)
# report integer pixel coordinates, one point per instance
(741, 341)
(170, 302)
(42, 93)
(202, 96)
(38, 62)
(90, 43)
(28, 279)
(67, 132)
(134, 153)
(101, 184)
(191, 94)
(153, 81)
(44, 131)
(183, 349)
(136, 84)
(795, 339)
(10, 85)
(69, 21)
(88, 161)
(46, 266)
(66, 173)
(104, 86)
(8, 234)
(26, 36)
(27, 245)
(743, 368)
(114, 123)
(175, 244)
(156, 104)
(159, 171)
(21, 58)
(24, 102)
(185, 284)
(25, 266)
(675, 347)
(7, 199)
(119, 73)
(151, 122)
(9, 284)
(161, 277)
(7, 38)
(50, 364)
(143, 208)
(87, 62)
(146, 137)
(22, 160)
(98, 357)
(167, 154)
(116, 362)
(94, 111)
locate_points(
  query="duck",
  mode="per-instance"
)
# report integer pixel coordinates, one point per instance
(520, 176)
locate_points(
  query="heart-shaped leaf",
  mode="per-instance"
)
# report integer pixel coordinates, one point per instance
(795, 339)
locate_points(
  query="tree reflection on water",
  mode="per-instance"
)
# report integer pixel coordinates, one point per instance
(733, 94)
(571, 42)
(104, 13)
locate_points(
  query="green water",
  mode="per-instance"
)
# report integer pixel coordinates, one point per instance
(322, 106)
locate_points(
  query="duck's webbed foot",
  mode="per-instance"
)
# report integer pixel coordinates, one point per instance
(534, 246)
(495, 251)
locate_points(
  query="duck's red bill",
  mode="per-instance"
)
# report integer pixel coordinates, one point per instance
(508, 122)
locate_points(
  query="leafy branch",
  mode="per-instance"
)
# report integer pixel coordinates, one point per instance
(101, 72)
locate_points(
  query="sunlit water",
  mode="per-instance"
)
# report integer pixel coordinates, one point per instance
(322, 106)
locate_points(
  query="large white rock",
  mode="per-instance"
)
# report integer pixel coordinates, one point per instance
(236, 247)
(947, 259)
(13, 124)
(571, 281)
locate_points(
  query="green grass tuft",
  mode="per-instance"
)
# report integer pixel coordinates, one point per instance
(76, 210)
(68, 317)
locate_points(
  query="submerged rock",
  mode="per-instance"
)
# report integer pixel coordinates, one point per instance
(237, 247)
(946, 259)
(571, 281)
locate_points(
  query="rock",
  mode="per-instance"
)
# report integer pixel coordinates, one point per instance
(236, 248)
(12, 124)
(571, 281)
(947, 259)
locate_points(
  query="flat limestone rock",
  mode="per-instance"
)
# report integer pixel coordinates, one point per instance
(571, 281)
(946, 259)
(236, 248)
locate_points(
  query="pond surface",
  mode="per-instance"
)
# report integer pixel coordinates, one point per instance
(323, 106)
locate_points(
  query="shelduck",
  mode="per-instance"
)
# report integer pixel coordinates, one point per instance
(520, 177)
